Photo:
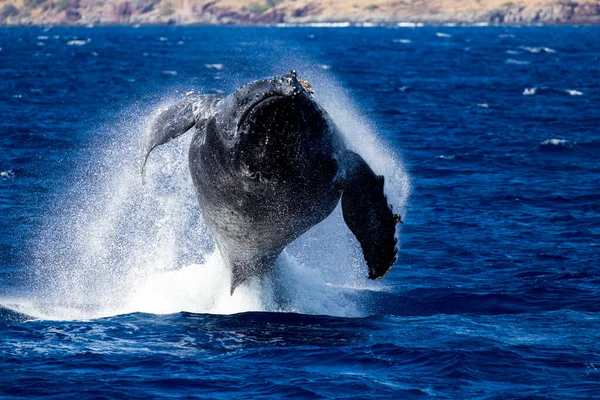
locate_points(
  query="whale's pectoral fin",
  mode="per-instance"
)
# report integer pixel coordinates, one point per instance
(177, 119)
(368, 215)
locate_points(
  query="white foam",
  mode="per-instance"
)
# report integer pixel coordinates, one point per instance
(556, 142)
(410, 24)
(574, 92)
(529, 91)
(7, 174)
(517, 62)
(537, 50)
(403, 41)
(214, 66)
(442, 34)
(328, 24)
(77, 42)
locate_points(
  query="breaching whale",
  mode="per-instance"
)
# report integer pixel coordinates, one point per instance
(268, 163)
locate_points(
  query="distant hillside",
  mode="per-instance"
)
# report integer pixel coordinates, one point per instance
(219, 12)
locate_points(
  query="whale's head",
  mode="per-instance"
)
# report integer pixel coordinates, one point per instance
(272, 128)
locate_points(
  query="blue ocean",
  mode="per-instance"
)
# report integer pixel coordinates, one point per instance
(489, 141)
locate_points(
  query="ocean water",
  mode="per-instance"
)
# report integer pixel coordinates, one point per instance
(489, 139)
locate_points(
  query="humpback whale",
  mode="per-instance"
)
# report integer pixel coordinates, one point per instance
(268, 163)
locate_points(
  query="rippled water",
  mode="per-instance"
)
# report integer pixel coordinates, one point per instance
(490, 142)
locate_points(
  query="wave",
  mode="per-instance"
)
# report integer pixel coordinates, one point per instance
(563, 147)
(538, 50)
(218, 67)
(556, 146)
(77, 42)
(8, 174)
(410, 24)
(549, 90)
(517, 62)
(574, 92)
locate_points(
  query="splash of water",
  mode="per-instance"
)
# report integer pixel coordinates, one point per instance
(113, 245)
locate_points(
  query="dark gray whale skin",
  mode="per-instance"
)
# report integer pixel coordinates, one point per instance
(268, 163)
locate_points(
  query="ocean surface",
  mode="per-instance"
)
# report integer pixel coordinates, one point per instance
(489, 138)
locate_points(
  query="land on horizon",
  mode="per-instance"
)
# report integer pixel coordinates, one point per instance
(267, 12)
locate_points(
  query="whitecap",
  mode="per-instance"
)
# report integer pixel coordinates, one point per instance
(556, 145)
(529, 91)
(574, 92)
(442, 34)
(76, 42)
(407, 24)
(171, 73)
(517, 62)
(557, 142)
(325, 67)
(42, 37)
(214, 66)
(163, 39)
(537, 50)
(7, 174)
(443, 157)
(482, 105)
(404, 41)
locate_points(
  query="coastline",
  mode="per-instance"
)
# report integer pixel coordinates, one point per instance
(283, 13)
